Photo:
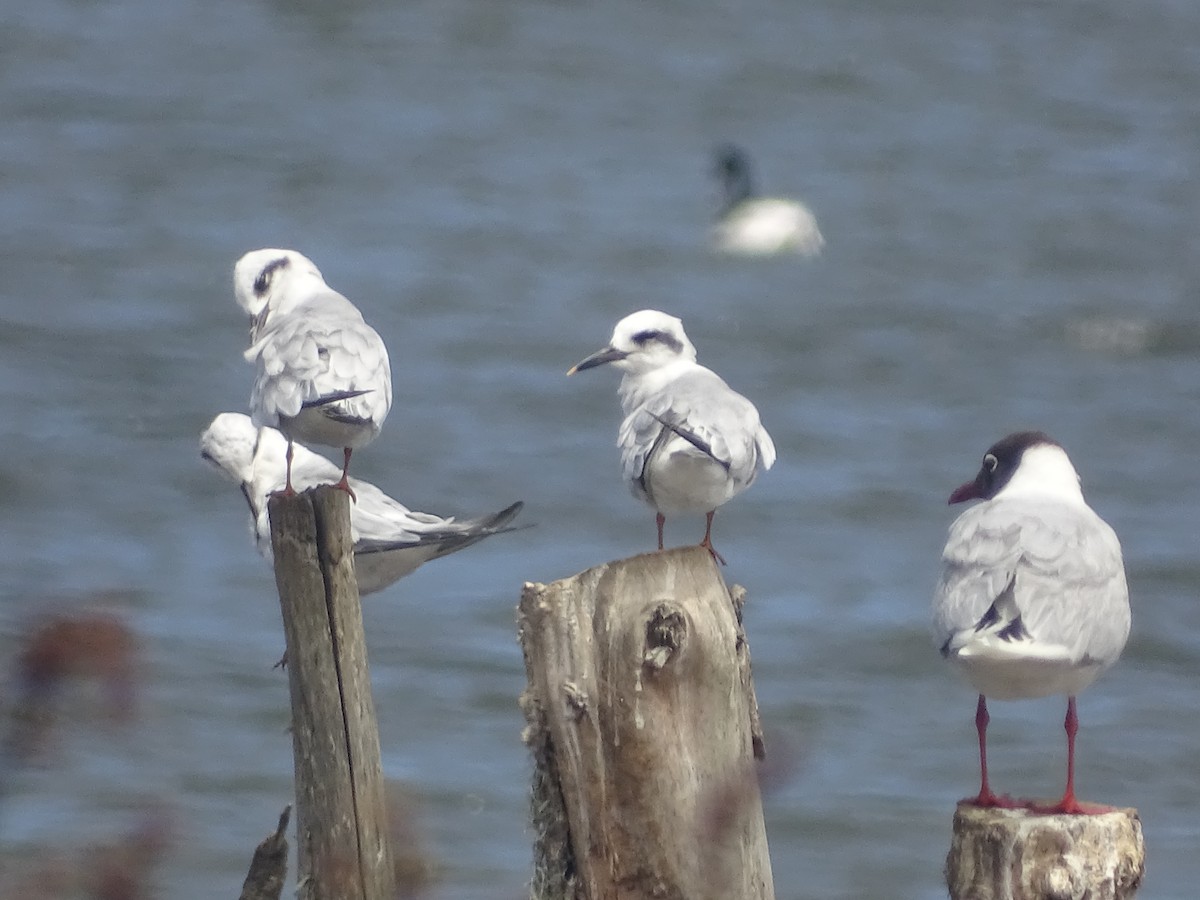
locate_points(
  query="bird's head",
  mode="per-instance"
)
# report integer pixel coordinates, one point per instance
(228, 443)
(262, 277)
(1026, 461)
(641, 342)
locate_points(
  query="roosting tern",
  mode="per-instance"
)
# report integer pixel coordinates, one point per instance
(322, 372)
(689, 443)
(390, 540)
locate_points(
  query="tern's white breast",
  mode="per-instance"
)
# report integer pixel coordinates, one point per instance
(681, 480)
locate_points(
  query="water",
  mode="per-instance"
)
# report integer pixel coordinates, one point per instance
(1010, 202)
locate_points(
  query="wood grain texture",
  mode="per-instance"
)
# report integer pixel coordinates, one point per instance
(342, 845)
(643, 725)
(1005, 854)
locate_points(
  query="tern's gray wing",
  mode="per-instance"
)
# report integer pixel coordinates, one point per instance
(440, 535)
(320, 350)
(1034, 579)
(390, 540)
(701, 408)
(381, 560)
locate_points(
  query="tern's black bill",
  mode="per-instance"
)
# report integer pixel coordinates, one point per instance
(599, 358)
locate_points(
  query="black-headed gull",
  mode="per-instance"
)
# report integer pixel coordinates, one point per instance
(322, 372)
(752, 225)
(390, 540)
(689, 443)
(1032, 599)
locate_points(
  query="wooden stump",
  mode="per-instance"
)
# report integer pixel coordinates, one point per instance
(1003, 854)
(268, 868)
(341, 817)
(644, 729)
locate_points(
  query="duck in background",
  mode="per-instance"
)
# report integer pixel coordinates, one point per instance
(751, 225)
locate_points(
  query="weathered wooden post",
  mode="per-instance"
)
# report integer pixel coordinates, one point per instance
(1017, 854)
(341, 819)
(643, 725)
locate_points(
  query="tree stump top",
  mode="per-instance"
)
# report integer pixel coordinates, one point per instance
(1018, 854)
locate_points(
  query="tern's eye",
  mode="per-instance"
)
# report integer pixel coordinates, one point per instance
(990, 462)
(263, 282)
(642, 338)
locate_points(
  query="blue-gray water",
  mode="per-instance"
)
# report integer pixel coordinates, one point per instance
(1009, 195)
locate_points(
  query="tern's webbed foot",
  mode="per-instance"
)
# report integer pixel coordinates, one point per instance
(344, 485)
(707, 545)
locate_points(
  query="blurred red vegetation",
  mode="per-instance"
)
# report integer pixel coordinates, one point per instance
(726, 801)
(91, 645)
(119, 870)
(415, 867)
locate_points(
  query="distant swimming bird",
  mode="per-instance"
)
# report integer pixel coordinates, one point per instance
(751, 225)
(689, 443)
(1032, 599)
(390, 540)
(323, 373)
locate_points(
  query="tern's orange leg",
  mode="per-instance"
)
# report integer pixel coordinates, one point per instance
(707, 542)
(344, 484)
(288, 490)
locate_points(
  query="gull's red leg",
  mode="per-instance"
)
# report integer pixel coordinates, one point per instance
(1068, 803)
(707, 542)
(986, 797)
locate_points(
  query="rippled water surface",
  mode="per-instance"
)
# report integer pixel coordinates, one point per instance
(1009, 196)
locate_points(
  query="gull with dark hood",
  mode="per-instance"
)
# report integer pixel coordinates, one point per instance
(1032, 599)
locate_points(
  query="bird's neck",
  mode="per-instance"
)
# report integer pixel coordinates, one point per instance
(739, 187)
(1045, 472)
(637, 387)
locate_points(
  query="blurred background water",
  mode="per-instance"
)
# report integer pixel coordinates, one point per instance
(1009, 195)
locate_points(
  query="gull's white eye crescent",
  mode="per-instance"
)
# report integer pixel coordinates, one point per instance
(990, 462)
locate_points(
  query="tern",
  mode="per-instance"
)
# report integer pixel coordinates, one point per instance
(689, 443)
(322, 372)
(390, 540)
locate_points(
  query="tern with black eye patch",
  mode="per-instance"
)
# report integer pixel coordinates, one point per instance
(322, 373)
(1032, 599)
(689, 443)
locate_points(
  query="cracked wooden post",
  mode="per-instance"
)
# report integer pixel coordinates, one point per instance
(643, 725)
(341, 819)
(1016, 854)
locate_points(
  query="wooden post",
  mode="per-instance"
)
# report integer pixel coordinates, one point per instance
(1015, 854)
(341, 820)
(643, 725)
(268, 868)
